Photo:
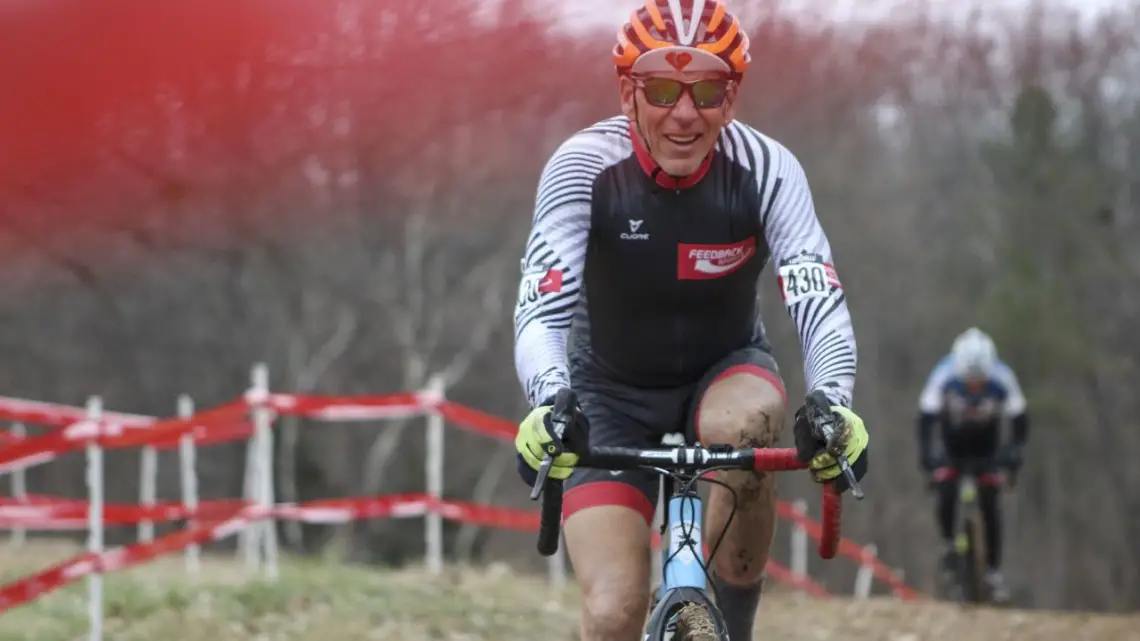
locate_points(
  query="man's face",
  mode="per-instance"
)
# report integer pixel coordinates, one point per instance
(975, 383)
(678, 137)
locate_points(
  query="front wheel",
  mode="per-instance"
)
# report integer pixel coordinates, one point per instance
(972, 560)
(686, 614)
(695, 622)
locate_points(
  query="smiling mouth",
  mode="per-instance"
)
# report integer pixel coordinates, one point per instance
(682, 141)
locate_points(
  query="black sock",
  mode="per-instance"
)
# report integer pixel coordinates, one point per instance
(738, 605)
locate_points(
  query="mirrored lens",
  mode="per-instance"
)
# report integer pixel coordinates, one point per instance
(709, 93)
(662, 92)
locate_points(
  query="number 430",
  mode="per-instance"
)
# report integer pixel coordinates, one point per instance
(804, 280)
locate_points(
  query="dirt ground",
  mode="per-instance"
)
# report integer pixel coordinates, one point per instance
(315, 600)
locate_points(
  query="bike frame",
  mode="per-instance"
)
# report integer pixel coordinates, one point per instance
(969, 539)
(966, 541)
(681, 559)
(967, 503)
(683, 579)
(684, 513)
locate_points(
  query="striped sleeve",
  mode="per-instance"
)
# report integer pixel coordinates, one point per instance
(552, 265)
(805, 269)
(1015, 403)
(932, 398)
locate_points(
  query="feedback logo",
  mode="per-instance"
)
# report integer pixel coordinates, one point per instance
(702, 262)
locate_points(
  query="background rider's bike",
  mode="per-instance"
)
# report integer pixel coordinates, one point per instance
(683, 611)
(968, 578)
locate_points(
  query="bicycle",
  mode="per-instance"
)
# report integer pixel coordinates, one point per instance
(969, 542)
(683, 610)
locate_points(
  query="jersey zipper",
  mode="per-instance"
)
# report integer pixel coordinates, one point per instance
(678, 325)
(680, 348)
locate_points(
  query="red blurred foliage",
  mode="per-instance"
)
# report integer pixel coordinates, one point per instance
(158, 121)
(65, 63)
(134, 121)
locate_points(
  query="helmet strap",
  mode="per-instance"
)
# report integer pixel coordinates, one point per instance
(657, 169)
(644, 136)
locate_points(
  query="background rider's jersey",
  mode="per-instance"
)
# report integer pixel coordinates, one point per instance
(632, 276)
(947, 396)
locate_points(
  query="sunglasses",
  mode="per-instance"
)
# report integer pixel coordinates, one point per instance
(667, 92)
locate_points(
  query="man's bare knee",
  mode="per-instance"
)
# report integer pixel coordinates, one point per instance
(609, 550)
(610, 616)
(741, 410)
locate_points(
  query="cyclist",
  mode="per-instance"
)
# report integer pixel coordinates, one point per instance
(968, 393)
(639, 292)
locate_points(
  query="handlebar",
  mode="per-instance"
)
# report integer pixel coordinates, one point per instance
(690, 459)
(990, 476)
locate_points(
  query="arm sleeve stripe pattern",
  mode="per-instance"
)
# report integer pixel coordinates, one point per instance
(793, 232)
(555, 255)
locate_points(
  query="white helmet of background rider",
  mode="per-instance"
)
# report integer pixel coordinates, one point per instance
(973, 354)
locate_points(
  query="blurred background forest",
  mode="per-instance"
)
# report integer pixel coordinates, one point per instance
(342, 189)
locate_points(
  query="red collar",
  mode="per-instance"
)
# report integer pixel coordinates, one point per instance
(654, 171)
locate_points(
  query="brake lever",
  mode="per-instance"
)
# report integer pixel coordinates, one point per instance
(540, 479)
(824, 421)
(559, 419)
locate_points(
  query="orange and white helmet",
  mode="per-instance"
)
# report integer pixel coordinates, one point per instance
(682, 35)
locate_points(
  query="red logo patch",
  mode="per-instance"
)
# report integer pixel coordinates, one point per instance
(704, 262)
(679, 60)
(832, 277)
(551, 283)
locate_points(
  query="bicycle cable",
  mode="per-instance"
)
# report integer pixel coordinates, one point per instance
(687, 531)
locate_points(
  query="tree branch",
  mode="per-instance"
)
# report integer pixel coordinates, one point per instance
(335, 347)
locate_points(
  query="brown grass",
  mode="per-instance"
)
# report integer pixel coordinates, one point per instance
(316, 599)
